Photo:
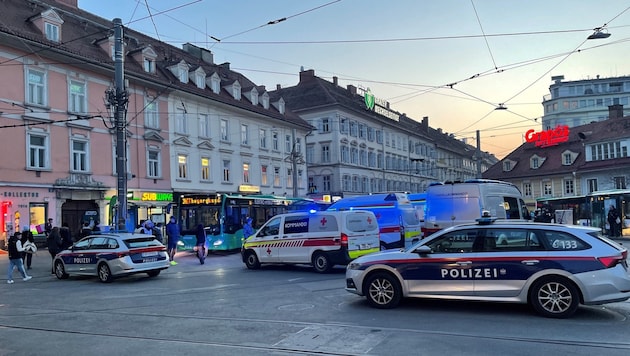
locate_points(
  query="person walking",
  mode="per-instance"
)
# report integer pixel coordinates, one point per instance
(15, 258)
(28, 243)
(614, 222)
(54, 245)
(173, 235)
(248, 229)
(201, 243)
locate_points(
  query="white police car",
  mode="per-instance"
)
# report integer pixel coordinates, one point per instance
(554, 268)
(112, 255)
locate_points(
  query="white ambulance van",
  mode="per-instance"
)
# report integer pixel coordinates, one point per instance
(454, 203)
(397, 218)
(322, 239)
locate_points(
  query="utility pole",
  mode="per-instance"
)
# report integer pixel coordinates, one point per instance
(295, 156)
(119, 102)
(478, 154)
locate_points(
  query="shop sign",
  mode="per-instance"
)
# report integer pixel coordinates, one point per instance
(246, 188)
(155, 196)
(548, 138)
(198, 201)
(377, 105)
(20, 194)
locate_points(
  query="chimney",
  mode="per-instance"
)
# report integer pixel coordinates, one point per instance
(225, 65)
(201, 53)
(335, 80)
(615, 111)
(425, 124)
(352, 89)
(307, 75)
(71, 3)
(278, 86)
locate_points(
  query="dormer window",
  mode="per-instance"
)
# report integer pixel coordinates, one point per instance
(215, 83)
(236, 90)
(280, 105)
(568, 157)
(265, 100)
(51, 31)
(146, 57)
(253, 96)
(200, 78)
(180, 70)
(149, 65)
(183, 76)
(508, 165)
(536, 161)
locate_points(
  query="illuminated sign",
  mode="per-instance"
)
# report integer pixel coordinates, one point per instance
(154, 196)
(246, 188)
(377, 105)
(197, 201)
(548, 137)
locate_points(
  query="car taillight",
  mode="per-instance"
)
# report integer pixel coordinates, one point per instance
(611, 261)
(121, 254)
(344, 239)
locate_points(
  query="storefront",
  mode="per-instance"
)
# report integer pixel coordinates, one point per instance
(22, 208)
(143, 205)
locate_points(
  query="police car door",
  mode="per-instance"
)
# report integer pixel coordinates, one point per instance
(266, 242)
(510, 256)
(447, 269)
(81, 259)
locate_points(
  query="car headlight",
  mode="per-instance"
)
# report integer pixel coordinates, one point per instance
(180, 243)
(218, 242)
(354, 265)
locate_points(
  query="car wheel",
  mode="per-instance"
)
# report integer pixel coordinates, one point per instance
(60, 270)
(554, 297)
(104, 273)
(251, 260)
(154, 273)
(383, 291)
(321, 262)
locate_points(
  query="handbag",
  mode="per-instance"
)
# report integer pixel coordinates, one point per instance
(30, 247)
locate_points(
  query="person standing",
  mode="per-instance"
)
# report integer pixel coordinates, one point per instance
(613, 221)
(48, 227)
(201, 243)
(173, 235)
(248, 229)
(66, 238)
(15, 258)
(28, 243)
(54, 244)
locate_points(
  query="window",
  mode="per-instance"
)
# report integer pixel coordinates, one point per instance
(205, 168)
(620, 182)
(355, 184)
(254, 97)
(77, 100)
(151, 117)
(567, 159)
(569, 188)
(246, 173)
(263, 175)
(200, 80)
(244, 136)
(36, 87)
(287, 143)
(149, 65)
(265, 100)
(325, 153)
(507, 166)
(52, 31)
(343, 125)
(547, 190)
(461, 241)
(370, 134)
(204, 125)
(353, 129)
(325, 127)
(226, 170)
(224, 130)
(263, 138)
(236, 91)
(310, 154)
(215, 83)
(79, 156)
(379, 136)
(274, 141)
(289, 178)
(37, 151)
(298, 145)
(362, 131)
(527, 189)
(354, 156)
(346, 183)
(276, 176)
(326, 185)
(345, 154)
(592, 185)
(183, 74)
(182, 165)
(153, 163)
(180, 121)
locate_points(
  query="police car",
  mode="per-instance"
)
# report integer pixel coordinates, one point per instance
(553, 268)
(112, 255)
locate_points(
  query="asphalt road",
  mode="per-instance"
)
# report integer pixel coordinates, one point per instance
(221, 308)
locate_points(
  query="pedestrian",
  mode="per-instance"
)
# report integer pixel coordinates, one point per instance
(85, 230)
(157, 232)
(66, 238)
(201, 243)
(614, 222)
(147, 227)
(173, 235)
(54, 244)
(48, 227)
(97, 227)
(248, 229)
(15, 258)
(28, 243)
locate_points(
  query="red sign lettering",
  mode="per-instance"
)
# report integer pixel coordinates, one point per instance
(548, 137)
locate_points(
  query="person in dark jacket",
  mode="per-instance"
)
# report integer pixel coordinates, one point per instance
(54, 244)
(66, 238)
(201, 243)
(173, 235)
(15, 258)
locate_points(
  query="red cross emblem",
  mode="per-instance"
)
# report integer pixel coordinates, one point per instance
(369, 220)
(268, 251)
(323, 221)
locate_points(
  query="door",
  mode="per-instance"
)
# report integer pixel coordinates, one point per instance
(266, 243)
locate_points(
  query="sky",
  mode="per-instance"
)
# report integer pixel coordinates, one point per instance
(453, 61)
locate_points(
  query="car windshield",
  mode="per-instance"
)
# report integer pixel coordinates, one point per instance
(148, 241)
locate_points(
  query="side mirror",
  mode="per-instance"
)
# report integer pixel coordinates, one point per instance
(423, 250)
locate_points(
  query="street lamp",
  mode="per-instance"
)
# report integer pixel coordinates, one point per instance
(600, 33)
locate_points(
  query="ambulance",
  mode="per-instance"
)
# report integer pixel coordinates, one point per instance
(397, 218)
(322, 239)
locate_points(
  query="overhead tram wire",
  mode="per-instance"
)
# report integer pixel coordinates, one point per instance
(483, 33)
(152, 20)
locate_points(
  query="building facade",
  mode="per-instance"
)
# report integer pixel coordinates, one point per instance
(360, 145)
(580, 102)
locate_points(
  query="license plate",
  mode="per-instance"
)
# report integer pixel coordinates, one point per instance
(365, 246)
(147, 260)
(149, 254)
